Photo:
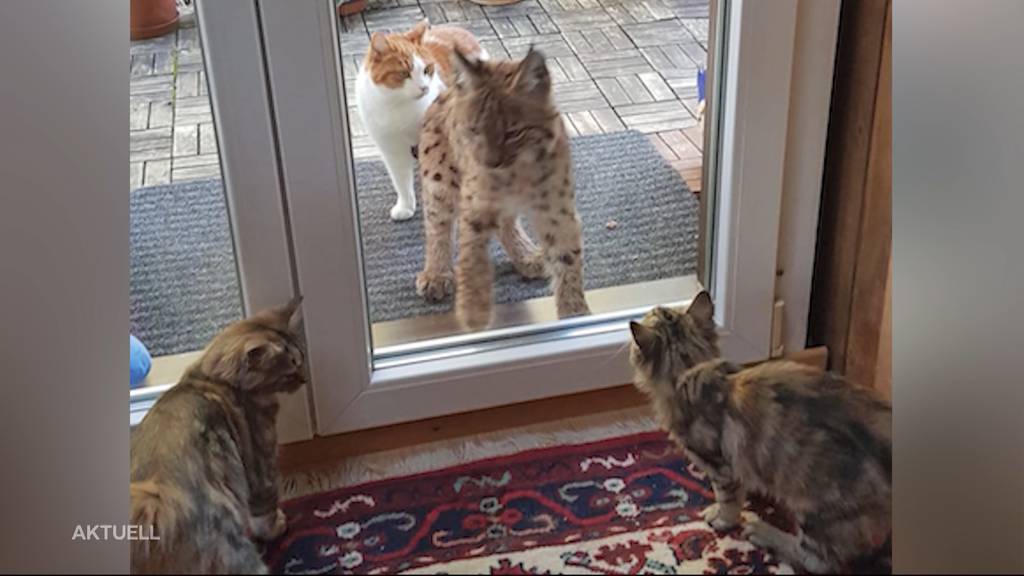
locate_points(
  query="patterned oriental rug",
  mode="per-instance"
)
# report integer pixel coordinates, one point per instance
(627, 505)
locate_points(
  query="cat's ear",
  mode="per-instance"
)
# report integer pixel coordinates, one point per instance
(416, 34)
(646, 339)
(293, 312)
(255, 353)
(378, 43)
(467, 70)
(702, 308)
(532, 76)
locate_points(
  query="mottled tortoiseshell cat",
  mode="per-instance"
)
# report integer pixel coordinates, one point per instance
(808, 439)
(203, 460)
(493, 148)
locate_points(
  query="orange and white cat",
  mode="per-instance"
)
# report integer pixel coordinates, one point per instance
(400, 77)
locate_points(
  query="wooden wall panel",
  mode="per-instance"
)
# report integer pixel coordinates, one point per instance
(855, 231)
(868, 298)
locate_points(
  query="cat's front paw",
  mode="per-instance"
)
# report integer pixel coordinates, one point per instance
(270, 526)
(435, 287)
(720, 517)
(401, 212)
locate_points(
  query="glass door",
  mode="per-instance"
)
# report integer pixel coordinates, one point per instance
(629, 154)
(209, 238)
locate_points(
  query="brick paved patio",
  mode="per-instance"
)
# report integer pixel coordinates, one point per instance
(616, 64)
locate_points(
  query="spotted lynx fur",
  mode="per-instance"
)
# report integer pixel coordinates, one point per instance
(493, 148)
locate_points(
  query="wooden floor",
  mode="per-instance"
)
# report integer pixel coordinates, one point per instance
(616, 65)
(324, 451)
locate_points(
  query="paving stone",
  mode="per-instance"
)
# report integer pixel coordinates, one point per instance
(699, 28)
(134, 175)
(689, 8)
(585, 123)
(139, 114)
(503, 27)
(635, 89)
(670, 61)
(188, 38)
(161, 114)
(399, 19)
(495, 48)
(619, 40)
(608, 120)
(163, 62)
(190, 60)
(479, 27)
(620, 14)
(552, 45)
(163, 43)
(573, 68)
(433, 12)
(569, 128)
(149, 144)
(156, 172)
(353, 23)
(194, 161)
(517, 9)
(186, 85)
(578, 96)
(194, 110)
(680, 144)
(583, 19)
(207, 139)
(558, 75)
(663, 149)
(195, 172)
(543, 23)
(657, 33)
(141, 65)
(656, 86)
(186, 140)
(598, 41)
(619, 63)
(695, 134)
(523, 25)
(613, 91)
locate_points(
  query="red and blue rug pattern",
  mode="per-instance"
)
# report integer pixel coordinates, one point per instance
(622, 506)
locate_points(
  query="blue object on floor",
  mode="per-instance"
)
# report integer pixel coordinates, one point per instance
(139, 361)
(701, 76)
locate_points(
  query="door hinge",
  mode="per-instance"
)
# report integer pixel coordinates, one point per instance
(777, 347)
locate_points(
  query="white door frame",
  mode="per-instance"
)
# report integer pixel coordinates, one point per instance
(300, 45)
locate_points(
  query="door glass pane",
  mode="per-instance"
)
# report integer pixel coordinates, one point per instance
(183, 276)
(483, 165)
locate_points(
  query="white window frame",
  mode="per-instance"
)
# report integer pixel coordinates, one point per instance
(308, 133)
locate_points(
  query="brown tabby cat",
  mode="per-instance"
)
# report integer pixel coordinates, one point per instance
(203, 460)
(804, 437)
(493, 147)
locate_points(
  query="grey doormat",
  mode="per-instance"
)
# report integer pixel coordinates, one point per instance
(639, 223)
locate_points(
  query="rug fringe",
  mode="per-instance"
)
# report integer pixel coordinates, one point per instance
(447, 453)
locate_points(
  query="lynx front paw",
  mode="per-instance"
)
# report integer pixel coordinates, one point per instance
(473, 319)
(575, 308)
(532, 267)
(270, 526)
(435, 287)
(720, 517)
(401, 212)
